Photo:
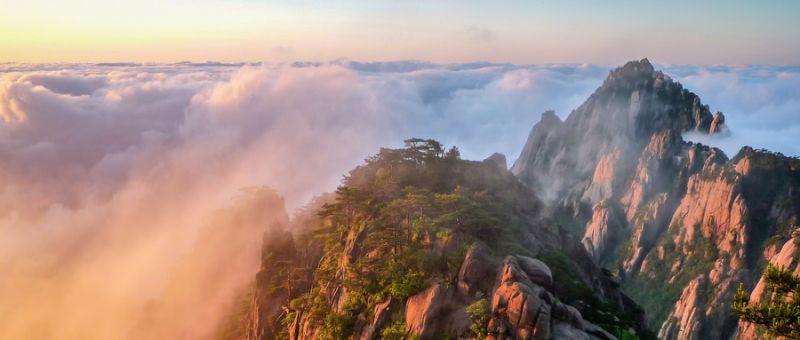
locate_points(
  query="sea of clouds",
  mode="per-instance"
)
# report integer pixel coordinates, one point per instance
(107, 171)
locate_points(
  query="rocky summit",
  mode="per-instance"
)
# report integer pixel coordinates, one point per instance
(608, 226)
(680, 223)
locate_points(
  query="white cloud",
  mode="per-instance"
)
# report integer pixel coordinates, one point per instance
(761, 103)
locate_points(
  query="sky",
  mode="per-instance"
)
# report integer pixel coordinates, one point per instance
(608, 32)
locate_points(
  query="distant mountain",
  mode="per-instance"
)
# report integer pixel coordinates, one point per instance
(680, 223)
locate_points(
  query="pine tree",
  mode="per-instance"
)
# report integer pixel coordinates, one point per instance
(780, 312)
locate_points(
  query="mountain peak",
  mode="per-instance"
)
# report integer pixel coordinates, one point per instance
(635, 102)
(634, 70)
(639, 65)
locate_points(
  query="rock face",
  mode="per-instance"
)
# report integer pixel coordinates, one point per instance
(606, 228)
(381, 315)
(523, 305)
(603, 185)
(498, 159)
(423, 311)
(657, 209)
(718, 124)
(523, 309)
(277, 254)
(685, 320)
(633, 103)
(477, 269)
(789, 258)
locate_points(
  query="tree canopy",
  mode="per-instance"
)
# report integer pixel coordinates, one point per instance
(402, 221)
(779, 313)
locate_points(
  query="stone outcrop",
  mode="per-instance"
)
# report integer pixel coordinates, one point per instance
(686, 318)
(606, 228)
(380, 317)
(278, 254)
(524, 309)
(476, 270)
(423, 311)
(605, 180)
(498, 159)
(718, 124)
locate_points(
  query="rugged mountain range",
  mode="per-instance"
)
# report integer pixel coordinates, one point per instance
(607, 204)
(680, 223)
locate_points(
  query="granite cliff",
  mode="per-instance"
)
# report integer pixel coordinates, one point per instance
(679, 223)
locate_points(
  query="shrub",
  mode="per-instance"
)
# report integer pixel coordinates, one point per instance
(397, 331)
(780, 313)
(480, 314)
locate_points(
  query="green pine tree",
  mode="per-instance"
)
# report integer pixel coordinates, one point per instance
(779, 313)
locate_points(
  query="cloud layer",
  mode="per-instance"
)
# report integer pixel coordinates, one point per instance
(761, 103)
(108, 172)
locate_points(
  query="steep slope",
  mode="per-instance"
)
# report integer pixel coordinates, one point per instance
(417, 243)
(633, 103)
(658, 209)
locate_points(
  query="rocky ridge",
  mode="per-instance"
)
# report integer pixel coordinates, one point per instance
(528, 280)
(655, 208)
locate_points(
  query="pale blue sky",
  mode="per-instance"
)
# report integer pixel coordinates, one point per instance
(690, 32)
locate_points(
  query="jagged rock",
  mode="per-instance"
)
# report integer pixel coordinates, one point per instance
(535, 153)
(423, 311)
(478, 270)
(523, 309)
(520, 308)
(537, 271)
(647, 227)
(633, 103)
(686, 319)
(278, 252)
(498, 159)
(654, 172)
(684, 203)
(381, 314)
(713, 208)
(718, 124)
(605, 179)
(605, 228)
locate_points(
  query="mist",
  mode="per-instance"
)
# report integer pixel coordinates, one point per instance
(112, 177)
(760, 103)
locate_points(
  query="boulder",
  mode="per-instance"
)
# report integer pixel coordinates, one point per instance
(423, 311)
(478, 270)
(718, 124)
(538, 272)
(498, 159)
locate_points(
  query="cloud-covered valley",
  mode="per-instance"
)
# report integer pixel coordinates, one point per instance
(108, 172)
